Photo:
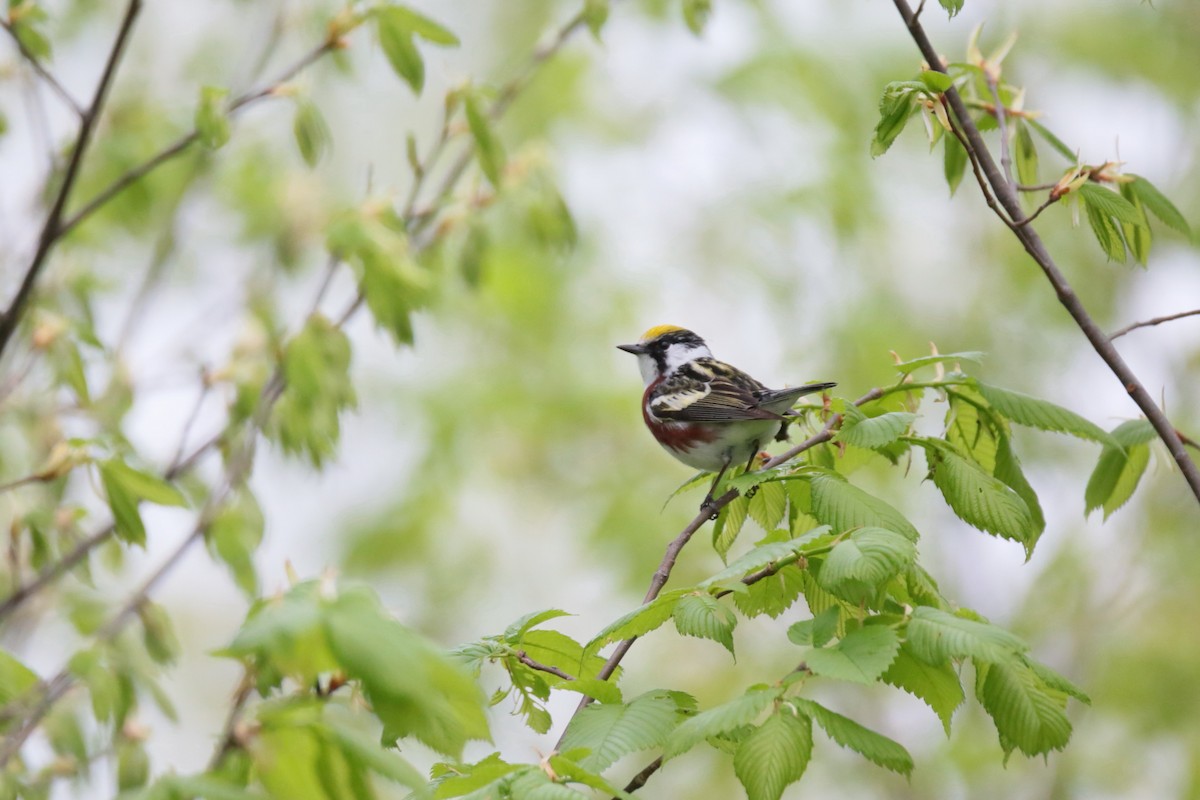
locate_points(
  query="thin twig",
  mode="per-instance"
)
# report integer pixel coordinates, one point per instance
(640, 779)
(44, 73)
(1153, 321)
(52, 229)
(1037, 212)
(1007, 196)
(19, 482)
(977, 170)
(229, 739)
(993, 83)
(524, 658)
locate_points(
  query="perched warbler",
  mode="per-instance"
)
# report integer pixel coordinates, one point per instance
(706, 413)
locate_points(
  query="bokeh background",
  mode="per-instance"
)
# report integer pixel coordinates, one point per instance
(720, 182)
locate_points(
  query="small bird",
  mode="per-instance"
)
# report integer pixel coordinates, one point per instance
(706, 413)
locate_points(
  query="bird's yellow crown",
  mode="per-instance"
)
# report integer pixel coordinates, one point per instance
(659, 330)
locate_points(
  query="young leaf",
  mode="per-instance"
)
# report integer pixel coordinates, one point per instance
(934, 636)
(978, 498)
(936, 684)
(768, 504)
(721, 719)
(638, 622)
(861, 656)
(595, 14)
(843, 506)
(954, 162)
(488, 149)
(774, 755)
(756, 559)
(234, 536)
(704, 616)
(212, 123)
(936, 82)
(396, 39)
(895, 107)
(952, 6)
(1110, 203)
(1119, 469)
(863, 431)
(874, 747)
(1025, 154)
(125, 487)
(815, 632)
(1137, 237)
(1008, 469)
(1107, 233)
(1042, 414)
(973, 356)
(514, 632)
(864, 560)
(772, 595)
(729, 524)
(1159, 205)
(311, 131)
(696, 14)
(1028, 714)
(613, 731)
(15, 678)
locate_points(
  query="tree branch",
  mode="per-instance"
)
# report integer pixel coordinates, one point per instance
(51, 228)
(524, 658)
(1153, 321)
(1007, 197)
(44, 73)
(640, 779)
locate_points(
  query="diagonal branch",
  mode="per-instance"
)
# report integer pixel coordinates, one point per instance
(1007, 197)
(44, 73)
(52, 228)
(1154, 321)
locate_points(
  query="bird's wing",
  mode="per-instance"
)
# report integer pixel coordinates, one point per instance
(707, 390)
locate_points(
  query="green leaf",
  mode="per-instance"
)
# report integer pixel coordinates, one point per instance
(860, 563)
(875, 747)
(234, 535)
(461, 779)
(861, 656)
(954, 162)
(1159, 205)
(936, 82)
(613, 731)
(559, 650)
(595, 14)
(952, 6)
(312, 132)
(1052, 140)
(720, 719)
(212, 123)
(1119, 469)
(488, 149)
(1107, 234)
(815, 632)
(638, 622)
(934, 636)
(203, 786)
(1110, 203)
(603, 691)
(365, 750)
(772, 595)
(1042, 414)
(729, 524)
(15, 678)
(1024, 154)
(863, 431)
(126, 487)
(1008, 469)
(514, 632)
(936, 684)
(774, 755)
(756, 559)
(973, 356)
(704, 616)
(1028, 714)
(133, 765)
(843, 506)
(1137, 237)
(978, 498)
(895, 108)
(696, 14)
(396, 39)
(158, 633)
(768, 504)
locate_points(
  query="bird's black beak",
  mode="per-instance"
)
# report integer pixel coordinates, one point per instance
(636, 349)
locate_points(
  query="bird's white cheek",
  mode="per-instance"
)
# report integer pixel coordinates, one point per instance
(648, 368)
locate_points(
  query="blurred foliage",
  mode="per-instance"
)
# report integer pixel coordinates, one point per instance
(507, 190)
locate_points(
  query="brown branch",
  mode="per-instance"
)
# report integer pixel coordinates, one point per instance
(640, 779)
(524, 658)
(977, 170)
(1007, 196)
(1153, 321)
(230, 739)
(42, 72)
(52, 227)
(1037, 212)
(993, 83)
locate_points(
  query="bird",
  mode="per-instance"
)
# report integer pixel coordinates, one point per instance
(706, 413)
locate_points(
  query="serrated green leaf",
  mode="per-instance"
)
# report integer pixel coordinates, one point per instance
(756, 559)
(952, 6)
(875, 747)
(603, 691)
(1028, 715)
(934, 636)
(860, 563)
(1008, 469)
(125, 488)
(1056, 681)
(1042, 414)
(1137, 237)
(935, 81)
(729, 524)
(1052, 140)
(768, 504)
(1110, 203)
(772, 595)
(488, 149)
(234, 535)
(1159, 205)
(861, 656)
(720, 719)
(1107, 234)
(514, 632)
(895, 108)
(15, 678)
(774, 755)
(704, 616)
(863, 431)
(973, 427)
(979, 499)
(973, 356)
(936, 684)
(610, 732)
(843, 506)
(1118, 471)
(311, 131)
(954, 162)
(458, 780)
(212, 122)
(638, 622)
(1024, 154)
(559, 650)
(815, 632)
